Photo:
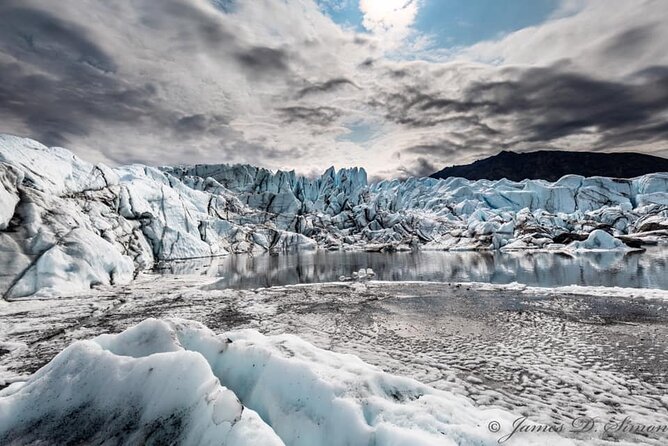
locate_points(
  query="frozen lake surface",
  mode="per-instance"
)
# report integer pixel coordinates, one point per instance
(647, 269)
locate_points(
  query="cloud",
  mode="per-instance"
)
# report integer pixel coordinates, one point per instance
(548, 104)
(391, 19)
(262, 60)
(541, 104)
(421, 167)
(185, 76)
(320, 116)
(529, 109)
(277, 83)
(612, 38)
(55, 78)
(325, 87)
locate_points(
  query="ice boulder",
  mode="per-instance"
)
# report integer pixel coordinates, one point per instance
(598, 240)
(89, 394)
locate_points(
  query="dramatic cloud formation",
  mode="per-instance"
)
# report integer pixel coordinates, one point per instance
(280, 84)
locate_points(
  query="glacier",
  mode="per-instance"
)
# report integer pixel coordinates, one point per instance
(67, 225)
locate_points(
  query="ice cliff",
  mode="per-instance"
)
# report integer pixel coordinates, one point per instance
(67, 225)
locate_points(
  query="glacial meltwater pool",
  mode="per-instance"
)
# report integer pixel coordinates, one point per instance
(647, 269)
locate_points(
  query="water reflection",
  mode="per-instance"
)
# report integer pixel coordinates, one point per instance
(638, 270)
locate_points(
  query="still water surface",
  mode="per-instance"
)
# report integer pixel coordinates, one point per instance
(648, 269)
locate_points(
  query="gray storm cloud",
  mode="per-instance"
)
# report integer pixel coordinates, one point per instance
(193, 81)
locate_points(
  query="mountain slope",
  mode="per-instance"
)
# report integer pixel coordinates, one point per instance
(551, 165)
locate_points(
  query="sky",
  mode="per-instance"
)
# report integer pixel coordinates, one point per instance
(399, 87)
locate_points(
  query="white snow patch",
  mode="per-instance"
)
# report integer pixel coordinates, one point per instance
(600, 291)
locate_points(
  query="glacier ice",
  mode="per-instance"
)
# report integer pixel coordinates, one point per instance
(79, 251)
(137, 389)
(598, 240)
(67, 225)
(175, 381)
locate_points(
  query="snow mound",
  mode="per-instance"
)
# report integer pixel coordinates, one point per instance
(177, 381)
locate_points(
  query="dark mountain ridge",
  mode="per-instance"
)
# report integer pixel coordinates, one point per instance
(551, 165)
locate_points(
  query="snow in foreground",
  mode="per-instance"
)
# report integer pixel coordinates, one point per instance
(177, 381)
(67, 225)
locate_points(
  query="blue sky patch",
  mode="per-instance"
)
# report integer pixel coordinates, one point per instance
(360, 132)
(456, 23)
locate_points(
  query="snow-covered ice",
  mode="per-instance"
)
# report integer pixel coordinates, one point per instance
(598, 240)
(138, 388)
(501, 351)
(175, 381)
